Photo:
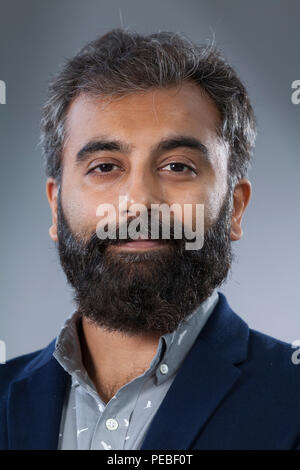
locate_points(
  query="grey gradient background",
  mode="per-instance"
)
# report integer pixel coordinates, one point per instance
(261, 39)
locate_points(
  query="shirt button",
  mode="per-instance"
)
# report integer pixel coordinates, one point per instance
(164, 368)
(111, 424)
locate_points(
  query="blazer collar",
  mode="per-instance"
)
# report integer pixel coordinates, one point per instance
(206, 376)
(208, 373)
(35, 403)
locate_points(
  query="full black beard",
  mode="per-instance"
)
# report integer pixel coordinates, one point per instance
(145, 291)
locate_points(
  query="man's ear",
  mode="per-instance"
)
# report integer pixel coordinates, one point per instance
(51, 192)
(241, 198)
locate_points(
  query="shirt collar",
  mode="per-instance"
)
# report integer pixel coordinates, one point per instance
(171, 351)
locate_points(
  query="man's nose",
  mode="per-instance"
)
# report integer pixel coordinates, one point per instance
(141, 187)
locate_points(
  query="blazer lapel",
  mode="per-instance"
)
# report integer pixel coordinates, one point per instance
(35, 404)
(205, 378)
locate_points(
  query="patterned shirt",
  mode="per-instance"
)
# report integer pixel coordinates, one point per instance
(122, 423)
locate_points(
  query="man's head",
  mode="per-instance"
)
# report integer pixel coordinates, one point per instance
(157, 120)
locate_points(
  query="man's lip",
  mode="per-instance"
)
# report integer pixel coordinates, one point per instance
(141, 244)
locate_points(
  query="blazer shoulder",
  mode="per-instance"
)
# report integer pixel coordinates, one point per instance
(259, 340)
(20, 366)
(274, 356)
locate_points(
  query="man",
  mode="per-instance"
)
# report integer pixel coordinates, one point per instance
(153, 357)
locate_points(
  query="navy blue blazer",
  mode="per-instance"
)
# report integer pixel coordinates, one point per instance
(237, 389)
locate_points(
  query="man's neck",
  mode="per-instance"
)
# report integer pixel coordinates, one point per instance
(113, 359)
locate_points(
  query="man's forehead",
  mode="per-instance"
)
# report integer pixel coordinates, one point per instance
(181, 102)
(143, 120)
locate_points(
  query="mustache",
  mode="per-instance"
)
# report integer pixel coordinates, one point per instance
(144, 231)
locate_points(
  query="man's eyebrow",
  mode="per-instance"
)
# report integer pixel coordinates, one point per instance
(181, 141)
(172, 143)
(98, 146)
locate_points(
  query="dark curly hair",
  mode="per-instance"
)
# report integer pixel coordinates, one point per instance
(123, 61)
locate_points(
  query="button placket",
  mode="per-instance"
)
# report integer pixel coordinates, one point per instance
(164, 369)
(109, 432)
(111, 424)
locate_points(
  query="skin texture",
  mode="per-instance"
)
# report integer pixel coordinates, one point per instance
(140, 121)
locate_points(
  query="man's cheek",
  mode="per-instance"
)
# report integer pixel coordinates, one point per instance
(80, 216)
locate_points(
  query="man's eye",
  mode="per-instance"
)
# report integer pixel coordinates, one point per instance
(179, 167)
(175, 167)
(103, 168)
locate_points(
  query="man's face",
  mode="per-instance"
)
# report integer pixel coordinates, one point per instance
(158, 285)
(141, 122)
